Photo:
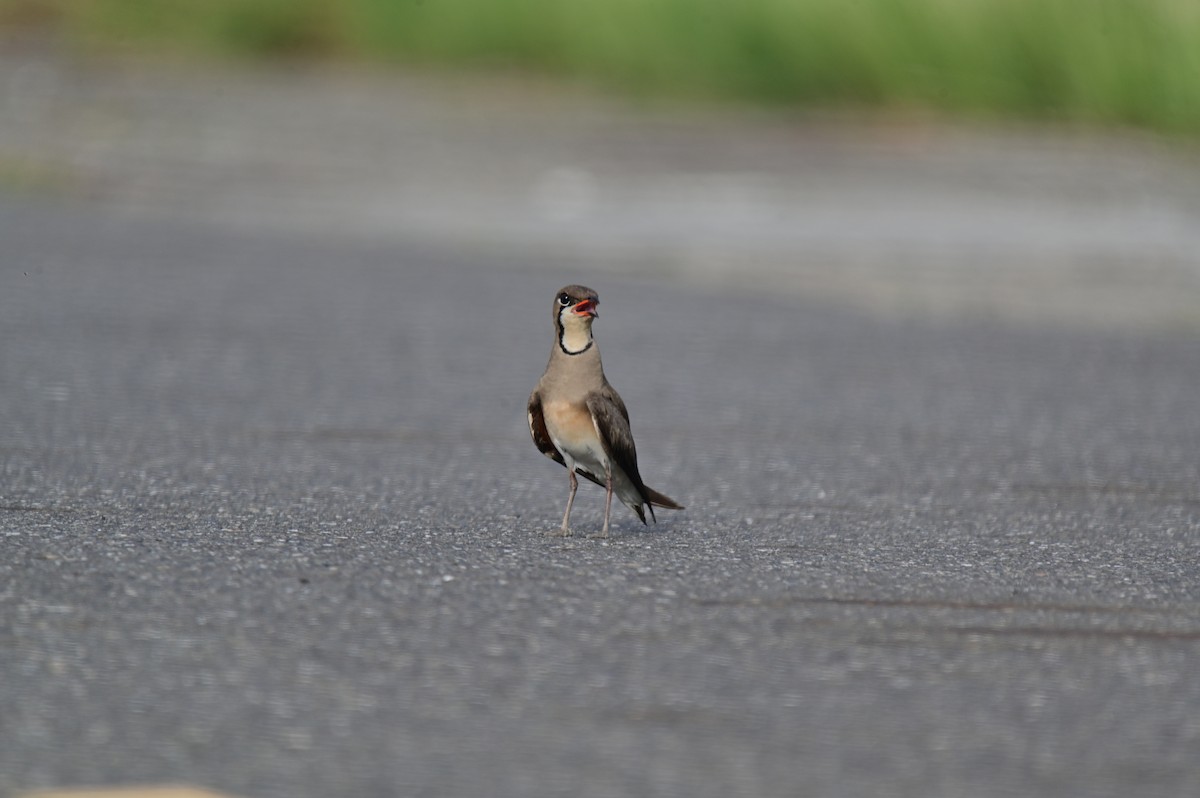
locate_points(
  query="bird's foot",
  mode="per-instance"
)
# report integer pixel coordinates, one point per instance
(561, 532)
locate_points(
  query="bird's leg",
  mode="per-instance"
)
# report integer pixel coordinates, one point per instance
(566, 528)
(607, 500)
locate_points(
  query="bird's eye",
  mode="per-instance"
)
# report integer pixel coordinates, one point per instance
(564, 300)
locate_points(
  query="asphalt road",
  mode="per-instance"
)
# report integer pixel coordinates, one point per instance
(270, 522)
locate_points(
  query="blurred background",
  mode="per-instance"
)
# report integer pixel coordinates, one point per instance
(1007, 157)
(903, 296)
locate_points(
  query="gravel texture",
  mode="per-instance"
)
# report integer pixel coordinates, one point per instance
(271, 523)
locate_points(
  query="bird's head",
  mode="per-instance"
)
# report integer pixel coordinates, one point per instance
(574, 311)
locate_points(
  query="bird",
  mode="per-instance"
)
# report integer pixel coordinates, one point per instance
(578, 420)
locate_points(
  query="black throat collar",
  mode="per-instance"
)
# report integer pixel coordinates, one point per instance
(562, 341)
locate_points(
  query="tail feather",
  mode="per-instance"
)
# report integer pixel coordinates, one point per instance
(656, 499)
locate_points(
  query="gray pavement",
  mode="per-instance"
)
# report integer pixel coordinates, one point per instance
(270, 522)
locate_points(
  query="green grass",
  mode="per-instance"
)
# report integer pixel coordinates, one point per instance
(1123, 62)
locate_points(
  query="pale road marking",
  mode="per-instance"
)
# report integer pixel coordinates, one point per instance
(153, 791)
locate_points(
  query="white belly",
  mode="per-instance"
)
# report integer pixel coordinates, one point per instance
(582, 451)
(575, 436)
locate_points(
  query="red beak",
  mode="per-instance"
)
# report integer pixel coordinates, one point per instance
(586, 308)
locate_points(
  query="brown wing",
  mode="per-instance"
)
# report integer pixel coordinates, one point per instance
(537, 429)
(612, 421)
(541, 436)
(612, 418)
